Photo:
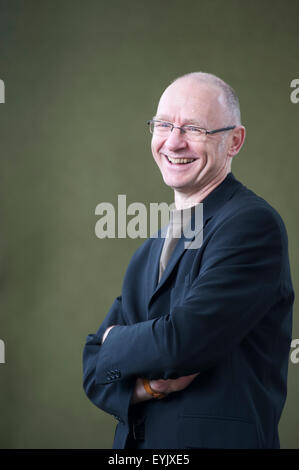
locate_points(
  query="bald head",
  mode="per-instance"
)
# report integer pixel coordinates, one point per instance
(197, 100)
(227, 96)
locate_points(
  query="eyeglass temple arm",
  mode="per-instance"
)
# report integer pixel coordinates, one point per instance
(221, 130)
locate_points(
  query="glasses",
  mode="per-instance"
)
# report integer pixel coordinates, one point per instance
(164, 129)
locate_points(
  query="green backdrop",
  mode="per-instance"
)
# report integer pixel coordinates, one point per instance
(81, 79)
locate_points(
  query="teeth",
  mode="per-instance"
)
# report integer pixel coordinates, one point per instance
(180, 160)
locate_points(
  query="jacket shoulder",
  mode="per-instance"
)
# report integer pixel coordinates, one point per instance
(246, 205)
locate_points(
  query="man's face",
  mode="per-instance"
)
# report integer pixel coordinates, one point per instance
(199, 103)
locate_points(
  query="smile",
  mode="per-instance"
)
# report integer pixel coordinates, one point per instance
(180, 161)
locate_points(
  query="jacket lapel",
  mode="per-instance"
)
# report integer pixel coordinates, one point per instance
(212, 203)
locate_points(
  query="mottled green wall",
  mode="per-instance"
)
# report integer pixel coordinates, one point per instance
(82, 78)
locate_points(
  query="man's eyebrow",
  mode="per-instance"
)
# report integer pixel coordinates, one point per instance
(186, 123)
(194, 122)
(162, 117)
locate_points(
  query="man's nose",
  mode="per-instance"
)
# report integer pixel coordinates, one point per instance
(176, 140)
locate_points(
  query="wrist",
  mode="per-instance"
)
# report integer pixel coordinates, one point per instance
(106, 333)
(139, 393)
(148, 388)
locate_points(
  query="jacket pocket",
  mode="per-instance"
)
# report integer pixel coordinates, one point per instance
(213, 432)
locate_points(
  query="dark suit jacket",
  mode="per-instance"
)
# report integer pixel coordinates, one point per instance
(225, 310)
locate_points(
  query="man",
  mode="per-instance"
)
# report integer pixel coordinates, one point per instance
(194, 353)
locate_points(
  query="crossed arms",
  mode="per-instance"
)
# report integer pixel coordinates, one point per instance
(238, 283)
(164, 386)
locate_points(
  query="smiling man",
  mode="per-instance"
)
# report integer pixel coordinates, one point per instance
(194, 353)
(196, 102)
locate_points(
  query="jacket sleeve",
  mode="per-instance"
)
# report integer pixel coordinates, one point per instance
(239, 281)
(114, 397)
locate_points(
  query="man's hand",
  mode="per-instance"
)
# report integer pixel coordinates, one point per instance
(164, 386)
(106, 332)
(172, 385)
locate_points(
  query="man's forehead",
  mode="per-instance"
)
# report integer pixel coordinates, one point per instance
(193, 99)
(194, 89)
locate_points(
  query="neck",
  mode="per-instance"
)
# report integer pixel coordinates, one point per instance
(185, 200)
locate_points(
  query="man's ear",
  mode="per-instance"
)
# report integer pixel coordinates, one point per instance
(236, 141)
